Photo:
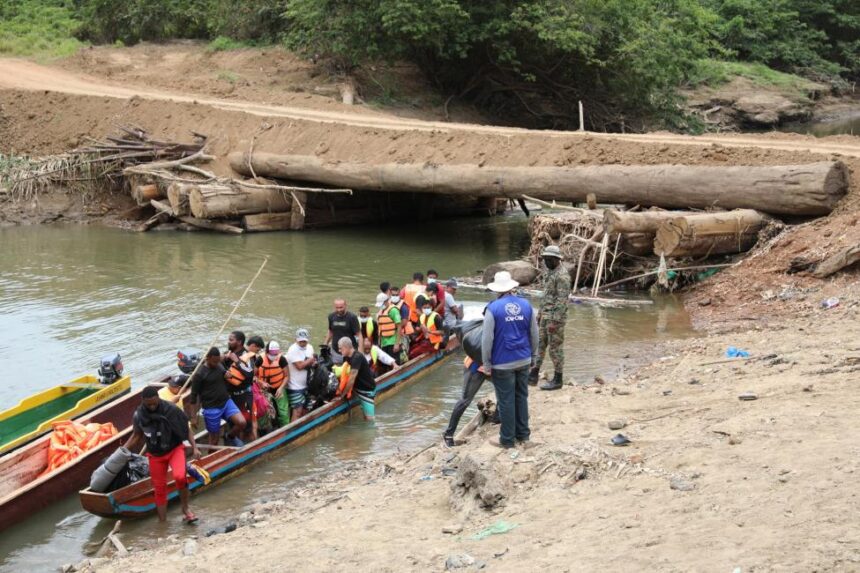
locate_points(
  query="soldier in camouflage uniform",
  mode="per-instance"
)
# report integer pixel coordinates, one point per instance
(553, 315)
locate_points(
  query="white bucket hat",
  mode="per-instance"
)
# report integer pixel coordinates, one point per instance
(502, 282)
(381, 299)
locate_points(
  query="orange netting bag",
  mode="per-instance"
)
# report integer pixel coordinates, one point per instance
(71, 439)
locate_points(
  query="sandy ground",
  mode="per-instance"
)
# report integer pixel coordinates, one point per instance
(710, 483)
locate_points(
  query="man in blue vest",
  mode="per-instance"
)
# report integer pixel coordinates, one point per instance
(509, 348)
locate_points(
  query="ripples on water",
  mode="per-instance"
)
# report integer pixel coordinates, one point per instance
(69, 295)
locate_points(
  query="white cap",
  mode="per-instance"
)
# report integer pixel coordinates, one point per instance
(274, 347)
(503, 282)
(381, 299)
(302, 335)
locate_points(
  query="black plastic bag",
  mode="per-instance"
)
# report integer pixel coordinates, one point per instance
(470, 333)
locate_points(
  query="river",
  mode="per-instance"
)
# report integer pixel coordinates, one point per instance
(73, 293)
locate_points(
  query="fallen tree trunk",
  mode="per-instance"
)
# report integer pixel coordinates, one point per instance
(709, 234)
(267, 222)
(637, 221)
(221, 200)
(638, 244)
(177, 196)
(811, 189)
(212, 225)
(835, 263)
(143, 194)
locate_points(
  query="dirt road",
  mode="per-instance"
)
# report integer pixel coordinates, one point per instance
(25, 75)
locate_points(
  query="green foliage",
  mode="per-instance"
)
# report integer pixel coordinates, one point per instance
(716, 72)
(131, 21)
(223, 43)
(38, 28)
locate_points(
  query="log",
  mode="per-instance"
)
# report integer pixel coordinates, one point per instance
(638, 244)
(297, 215)
(177, 195)
(212, 225)
(810, 189)
(709, 233)
(638, 221)
(220, 200)
(143, 194)
(835, 263)
(521, 271)
(262, 222)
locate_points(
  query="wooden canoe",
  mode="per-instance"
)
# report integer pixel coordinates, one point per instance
(33, 416)
(23, 488)
(137, 499)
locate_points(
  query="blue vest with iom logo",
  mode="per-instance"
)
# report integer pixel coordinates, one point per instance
(513, 321)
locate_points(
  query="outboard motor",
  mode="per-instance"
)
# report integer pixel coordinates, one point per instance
(187, 360)
(110, 368)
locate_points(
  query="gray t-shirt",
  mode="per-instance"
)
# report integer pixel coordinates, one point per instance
(450, 305)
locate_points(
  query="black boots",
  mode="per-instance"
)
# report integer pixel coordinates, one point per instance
(534, 373)
(554, 384)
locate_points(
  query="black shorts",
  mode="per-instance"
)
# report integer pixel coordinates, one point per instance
(244, 400)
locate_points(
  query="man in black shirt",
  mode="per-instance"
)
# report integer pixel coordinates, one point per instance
(342, 323)
(163, 428)
(357, 375)
(208, 386)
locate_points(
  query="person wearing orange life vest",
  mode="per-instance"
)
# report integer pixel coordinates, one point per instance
(389, 322)
(431, 324)
(273, 375)
(379, 360)
(410, 292)
(240, 378)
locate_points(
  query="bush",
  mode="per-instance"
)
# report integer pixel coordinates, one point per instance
(38, 28)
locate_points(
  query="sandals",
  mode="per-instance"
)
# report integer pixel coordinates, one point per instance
(190, 519)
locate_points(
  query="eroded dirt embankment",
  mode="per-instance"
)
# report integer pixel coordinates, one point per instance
(42, 121)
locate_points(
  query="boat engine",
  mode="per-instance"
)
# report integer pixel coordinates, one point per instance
(110, 368)
(187, 360)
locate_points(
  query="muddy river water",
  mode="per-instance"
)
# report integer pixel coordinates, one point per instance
(71, 294)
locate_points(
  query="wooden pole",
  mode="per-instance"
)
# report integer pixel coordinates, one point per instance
(581, 117)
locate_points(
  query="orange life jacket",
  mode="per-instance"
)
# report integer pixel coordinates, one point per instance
(410, 292)
(271, 372)
(405, 319)
(241, 373)
(387, 327)
(343, 378)
(429, 320)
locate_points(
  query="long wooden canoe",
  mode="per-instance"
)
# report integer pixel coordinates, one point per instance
(33, 416)
(23, 488)
(137, 499)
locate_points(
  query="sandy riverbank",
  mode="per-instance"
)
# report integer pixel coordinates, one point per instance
(710, 483)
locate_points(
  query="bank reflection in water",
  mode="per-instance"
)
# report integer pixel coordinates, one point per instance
(69, 294)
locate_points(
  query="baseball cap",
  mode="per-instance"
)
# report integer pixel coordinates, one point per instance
(302, 335)
(451, 283)
(274, 347)
(381, 299)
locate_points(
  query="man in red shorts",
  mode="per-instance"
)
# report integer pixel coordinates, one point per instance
(163, 428)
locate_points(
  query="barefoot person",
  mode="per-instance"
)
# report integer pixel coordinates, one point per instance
(163, 428)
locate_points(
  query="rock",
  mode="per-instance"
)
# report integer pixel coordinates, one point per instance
(189, 548)
(705, 302)
(260, 525)
(452, 529)
(616, 424)
(67, 568)
(521, 271)
(734, 440)
(768, 109)
(459, 561)
(231, 527)
(680, 484)
(748, 396)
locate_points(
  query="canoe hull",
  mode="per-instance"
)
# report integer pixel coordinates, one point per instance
(137, 499)
(11, 439)
(23, 491)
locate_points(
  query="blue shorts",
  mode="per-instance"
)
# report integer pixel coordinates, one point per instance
(366, 399)
(213, 416)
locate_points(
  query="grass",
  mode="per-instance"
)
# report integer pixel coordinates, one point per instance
(717, 72)
(38, 28)
(228, 76)
(223, 44)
